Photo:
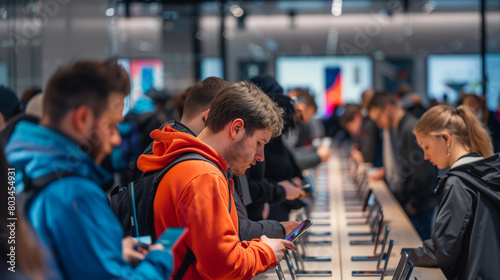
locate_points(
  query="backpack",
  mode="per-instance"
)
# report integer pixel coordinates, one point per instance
(133, 204)
(33, 187)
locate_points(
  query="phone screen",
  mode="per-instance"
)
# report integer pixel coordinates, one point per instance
(298, 230)
(171, 237)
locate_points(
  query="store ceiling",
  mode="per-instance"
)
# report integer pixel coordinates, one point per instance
(279, 7)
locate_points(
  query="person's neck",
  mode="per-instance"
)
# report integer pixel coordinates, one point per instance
(398, 115)
(457, 152)
(64, 129)
(192, 125)
(212, 140)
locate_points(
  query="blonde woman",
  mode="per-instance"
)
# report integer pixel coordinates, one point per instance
(465, 240)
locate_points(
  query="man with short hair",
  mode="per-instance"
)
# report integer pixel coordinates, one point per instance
(197, 105)
(83, 102)
(197, 194)
(196, 108)
(365, 135)
(416, 177)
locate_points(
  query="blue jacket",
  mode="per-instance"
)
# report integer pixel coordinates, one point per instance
(71, 215)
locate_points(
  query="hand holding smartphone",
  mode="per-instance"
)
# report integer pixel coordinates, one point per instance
(298, 230)
(141, 247)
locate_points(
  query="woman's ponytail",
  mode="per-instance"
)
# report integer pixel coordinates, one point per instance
(478, 138)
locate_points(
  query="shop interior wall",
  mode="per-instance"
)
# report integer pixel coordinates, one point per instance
(74, 30)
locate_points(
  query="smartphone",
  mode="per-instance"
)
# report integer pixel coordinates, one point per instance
(141, 245)
(171, 237)
(142, 242)
(306, 187)
(298, 230)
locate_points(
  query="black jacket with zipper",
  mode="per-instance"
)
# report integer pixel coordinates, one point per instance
(465, 240)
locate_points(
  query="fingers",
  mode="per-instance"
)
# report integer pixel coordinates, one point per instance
(129, 254)
(279, 246)
(289, 245)
(302, 193)
(297, 181)
(156, 246)
(142, 250)
(279, 256)
(128, 241)
(289, 226)
(135, 256)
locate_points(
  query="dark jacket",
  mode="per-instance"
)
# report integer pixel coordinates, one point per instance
(279, 165)
(493, 124)
(465, 240)
(249, 229)
(370, 142)
(262, 190)
(298, 141)
(418, 176)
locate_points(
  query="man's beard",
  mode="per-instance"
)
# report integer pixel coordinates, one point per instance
(93, 146)
(235, 156)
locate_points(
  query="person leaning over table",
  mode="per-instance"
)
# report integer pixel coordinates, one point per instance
(196, 194)
(465, 241)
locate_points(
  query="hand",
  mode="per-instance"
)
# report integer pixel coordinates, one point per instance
(292, 191)
(265, 211)
(297, 181)
(156, 246)
(129, 254)
(377, 174)
(323, 153)
(289, 226)
(279, 246)
(410, 209)
(357, 155)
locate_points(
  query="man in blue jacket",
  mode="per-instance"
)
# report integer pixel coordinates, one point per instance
(83, 103)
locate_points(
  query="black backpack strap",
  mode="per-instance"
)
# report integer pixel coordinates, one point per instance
(188, 260)
(190, 257)
(195, 156)
(32, 187)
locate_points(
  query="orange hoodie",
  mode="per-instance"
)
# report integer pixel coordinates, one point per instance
(195, 194)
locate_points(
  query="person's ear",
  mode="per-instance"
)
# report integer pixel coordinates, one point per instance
(205, 115)
(83, 119)
(446, 136)
(237, 128)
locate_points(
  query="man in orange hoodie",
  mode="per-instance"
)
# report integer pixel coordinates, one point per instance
(197, 195)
